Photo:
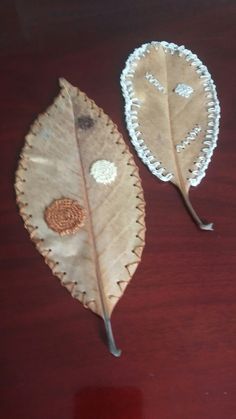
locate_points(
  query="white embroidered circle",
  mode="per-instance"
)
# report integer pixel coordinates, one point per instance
(104, 171)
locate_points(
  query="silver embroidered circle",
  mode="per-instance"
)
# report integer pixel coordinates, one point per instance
(104, 171)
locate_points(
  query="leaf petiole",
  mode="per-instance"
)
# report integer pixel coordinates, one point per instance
(110, 338)
(196, 218)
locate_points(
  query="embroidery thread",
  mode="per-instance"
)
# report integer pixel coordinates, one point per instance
(155, 82)
(183, 90)
(65, 216)
(192, 135)
(104, 171)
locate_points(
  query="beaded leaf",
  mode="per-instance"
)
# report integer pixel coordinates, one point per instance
(172, 114)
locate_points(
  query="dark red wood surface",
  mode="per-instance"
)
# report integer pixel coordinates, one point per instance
(176, 323)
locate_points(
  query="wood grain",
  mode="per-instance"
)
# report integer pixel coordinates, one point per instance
(177, 321)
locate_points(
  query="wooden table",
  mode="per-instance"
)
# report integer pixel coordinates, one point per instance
(176, 323)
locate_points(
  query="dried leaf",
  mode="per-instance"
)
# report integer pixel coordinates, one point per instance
(80, 196)
(172, 114)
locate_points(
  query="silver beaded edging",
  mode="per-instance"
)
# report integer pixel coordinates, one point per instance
(132, 103)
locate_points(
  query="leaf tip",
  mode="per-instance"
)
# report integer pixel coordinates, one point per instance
(62, 82)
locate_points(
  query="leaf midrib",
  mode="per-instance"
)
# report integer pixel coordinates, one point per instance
(180, 179)
(90, 223)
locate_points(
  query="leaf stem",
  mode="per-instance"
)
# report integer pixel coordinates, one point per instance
(110, 338)
(196, 218)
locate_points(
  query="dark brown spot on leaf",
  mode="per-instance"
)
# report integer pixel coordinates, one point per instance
(85, 122)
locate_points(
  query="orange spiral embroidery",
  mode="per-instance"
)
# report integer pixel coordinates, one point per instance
(65, 216)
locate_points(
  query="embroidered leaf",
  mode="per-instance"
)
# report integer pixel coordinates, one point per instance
(81, 199)
(172, 114)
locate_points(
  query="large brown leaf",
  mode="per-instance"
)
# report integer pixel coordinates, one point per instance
(80, 196)
(172, 114)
